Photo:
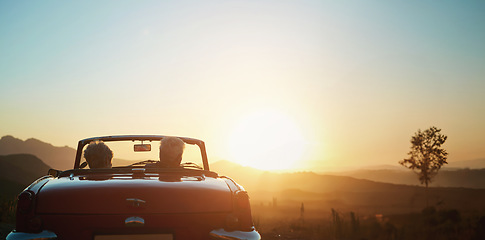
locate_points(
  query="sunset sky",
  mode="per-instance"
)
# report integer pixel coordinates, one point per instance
(301, 85)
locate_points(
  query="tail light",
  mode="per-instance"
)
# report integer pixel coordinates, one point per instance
(26, 220)
(242, 200)
(241, 219)
(25, 200)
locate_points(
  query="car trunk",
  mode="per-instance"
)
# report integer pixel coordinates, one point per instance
(123, 194)
(178, 226)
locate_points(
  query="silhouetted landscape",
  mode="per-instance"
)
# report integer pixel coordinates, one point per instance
(56, 157)
(360, 204)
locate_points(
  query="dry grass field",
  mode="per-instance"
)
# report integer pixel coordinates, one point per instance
(454, 213)
(430, 223)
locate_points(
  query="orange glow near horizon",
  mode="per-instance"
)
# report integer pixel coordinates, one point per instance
(267, 140)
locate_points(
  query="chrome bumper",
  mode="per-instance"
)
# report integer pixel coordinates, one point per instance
(215, 234)
(235, 235)
(44, 235)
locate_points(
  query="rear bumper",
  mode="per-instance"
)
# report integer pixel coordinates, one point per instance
(234, 235)
(219, 234)
(44, 235)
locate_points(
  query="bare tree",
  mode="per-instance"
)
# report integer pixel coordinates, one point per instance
(426, 155)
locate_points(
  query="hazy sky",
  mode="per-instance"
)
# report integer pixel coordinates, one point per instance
(351, 80)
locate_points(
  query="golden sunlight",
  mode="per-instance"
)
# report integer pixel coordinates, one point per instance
(267, 140)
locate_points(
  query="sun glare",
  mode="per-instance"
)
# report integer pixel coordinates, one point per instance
(267, 140)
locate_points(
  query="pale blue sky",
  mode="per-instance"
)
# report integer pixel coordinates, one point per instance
(358, 78)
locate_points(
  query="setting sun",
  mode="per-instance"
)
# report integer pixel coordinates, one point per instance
(267, 140)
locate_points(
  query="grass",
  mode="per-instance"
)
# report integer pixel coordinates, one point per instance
(430, 223)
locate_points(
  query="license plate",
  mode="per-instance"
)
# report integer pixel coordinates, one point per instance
(135, 237)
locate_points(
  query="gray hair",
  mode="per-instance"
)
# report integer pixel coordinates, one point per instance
(171, 150)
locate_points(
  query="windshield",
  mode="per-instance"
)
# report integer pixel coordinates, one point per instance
(125, 155)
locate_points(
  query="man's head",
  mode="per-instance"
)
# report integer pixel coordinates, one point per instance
(171, 150)
(98, 155)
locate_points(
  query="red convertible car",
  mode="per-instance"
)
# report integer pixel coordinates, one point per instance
(135, 199)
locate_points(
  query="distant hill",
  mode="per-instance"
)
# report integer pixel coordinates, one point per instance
(257, 180)
(472, 164)
(61, 158)
(250, 177)
(452, 165)
(326, 191)
(22, 168)
(469, 178)
(17, 171)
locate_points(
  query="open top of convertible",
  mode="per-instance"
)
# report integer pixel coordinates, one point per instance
(143, 150)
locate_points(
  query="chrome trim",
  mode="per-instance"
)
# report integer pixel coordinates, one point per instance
(134, 222)
(200, 178)
(234, 235)
(138, 170)
(135, 202)
(44, 235)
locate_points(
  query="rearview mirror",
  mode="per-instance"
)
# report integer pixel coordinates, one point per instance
(83, 165)
(142, 147)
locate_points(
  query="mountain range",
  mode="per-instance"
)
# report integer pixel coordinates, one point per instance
(24, 161)
(61, 158)
(447, 177)
(326, 190)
